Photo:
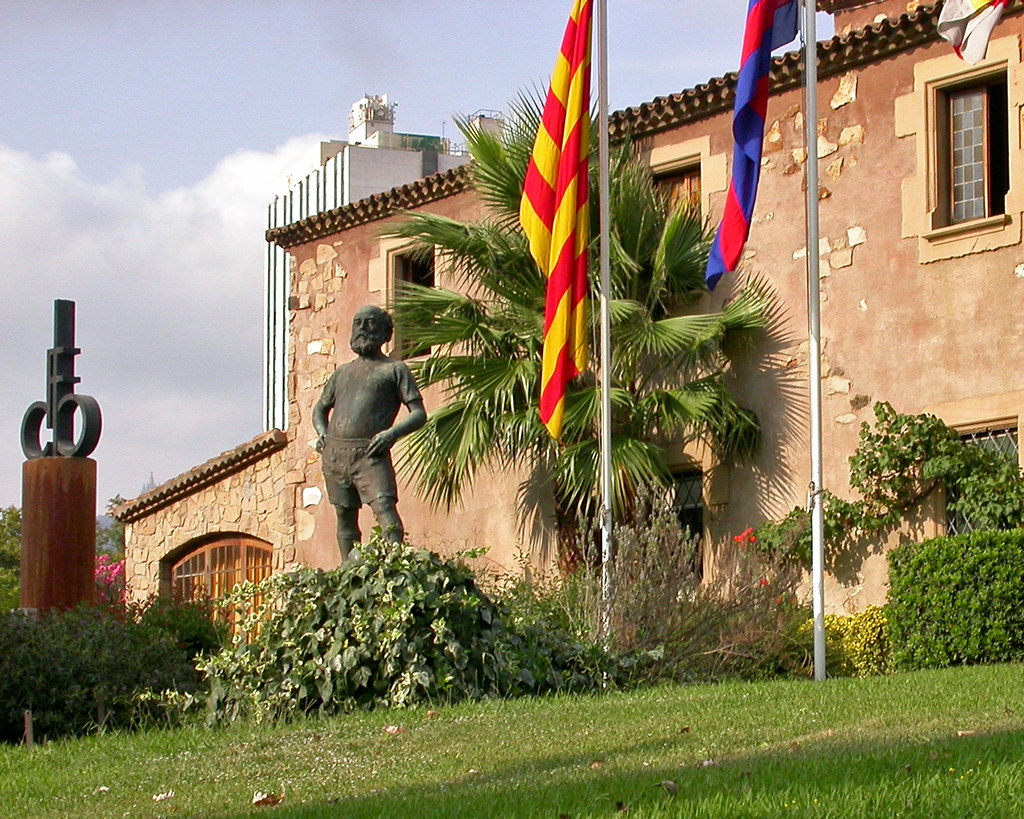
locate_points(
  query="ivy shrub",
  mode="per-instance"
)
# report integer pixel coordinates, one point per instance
(957, 600)
(82, 669)
(398, 626)
(857, 645)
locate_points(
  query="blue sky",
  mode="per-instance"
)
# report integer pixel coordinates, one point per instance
(140, 142)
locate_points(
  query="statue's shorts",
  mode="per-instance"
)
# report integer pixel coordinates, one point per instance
(354, 478)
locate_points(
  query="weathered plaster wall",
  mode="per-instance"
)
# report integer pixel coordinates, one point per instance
(925, 329)
(919, 333)
(332, 279)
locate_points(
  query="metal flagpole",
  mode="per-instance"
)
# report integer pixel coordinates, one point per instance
(810, 44)
(607, 550)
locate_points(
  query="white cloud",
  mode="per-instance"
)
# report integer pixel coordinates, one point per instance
(169, 293)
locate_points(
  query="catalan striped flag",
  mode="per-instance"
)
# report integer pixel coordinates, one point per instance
(968, 24)
(770, 24)
(555, 218)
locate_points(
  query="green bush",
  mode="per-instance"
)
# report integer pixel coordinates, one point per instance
(397, 627)
(81, 669)
(857, 645)
(667, 622)
(957, 600)
(190, 623)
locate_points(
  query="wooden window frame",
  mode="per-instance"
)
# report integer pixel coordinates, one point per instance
(921, 118)
(407, 266)
(686, 177)
(995, 163)
(253, 563)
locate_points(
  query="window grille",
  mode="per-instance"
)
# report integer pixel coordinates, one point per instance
(214, 568)
(688, 505)
(1004, 442)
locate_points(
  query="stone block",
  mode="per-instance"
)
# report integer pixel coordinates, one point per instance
(851, 134)
(843, 257)
(846, 93)
(826, 147)
(305, 524)
(837, 385)
(325, 253)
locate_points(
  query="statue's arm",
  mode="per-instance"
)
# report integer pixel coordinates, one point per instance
(412, 421)
(321, 414)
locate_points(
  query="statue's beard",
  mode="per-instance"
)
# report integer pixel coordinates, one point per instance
(364, 345)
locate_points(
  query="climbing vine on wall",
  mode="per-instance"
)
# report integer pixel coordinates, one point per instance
(897, 464)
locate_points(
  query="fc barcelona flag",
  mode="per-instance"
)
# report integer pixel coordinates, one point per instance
(770, 24)
(554, 215)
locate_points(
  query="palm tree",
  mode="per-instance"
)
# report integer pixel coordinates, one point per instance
(669, 361)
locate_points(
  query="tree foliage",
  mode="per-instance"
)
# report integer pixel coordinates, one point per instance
(10, 557)
(110, 538)
(670, 356)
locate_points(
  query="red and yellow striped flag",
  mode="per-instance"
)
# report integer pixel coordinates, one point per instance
(555, 218)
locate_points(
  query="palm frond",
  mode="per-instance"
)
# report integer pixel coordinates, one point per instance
(635, 463)
(681, 258)
(497, 175)
(669, 361)
(444, 455)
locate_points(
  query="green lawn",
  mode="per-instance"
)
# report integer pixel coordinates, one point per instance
(929, 744)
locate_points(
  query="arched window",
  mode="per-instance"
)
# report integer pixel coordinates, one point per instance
(213, 568)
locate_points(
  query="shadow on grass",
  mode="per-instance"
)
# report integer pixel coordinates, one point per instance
(978, 776)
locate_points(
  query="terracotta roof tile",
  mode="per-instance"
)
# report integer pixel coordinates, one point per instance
(429, 189)
(203, 475)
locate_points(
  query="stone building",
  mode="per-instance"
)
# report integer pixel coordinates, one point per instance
(920, 282)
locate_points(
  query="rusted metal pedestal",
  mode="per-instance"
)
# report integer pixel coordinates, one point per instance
(58, 532)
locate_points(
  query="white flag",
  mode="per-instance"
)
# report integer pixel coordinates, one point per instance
(968, 24)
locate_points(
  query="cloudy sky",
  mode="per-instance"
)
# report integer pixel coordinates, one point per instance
(140, 142)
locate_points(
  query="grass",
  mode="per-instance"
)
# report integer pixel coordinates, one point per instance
(946, 743)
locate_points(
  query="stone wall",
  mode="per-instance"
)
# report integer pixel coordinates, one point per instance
(248, 490)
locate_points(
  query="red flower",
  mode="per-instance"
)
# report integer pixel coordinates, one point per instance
(746, 536)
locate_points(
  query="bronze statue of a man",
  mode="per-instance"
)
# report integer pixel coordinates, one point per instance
(355, 421)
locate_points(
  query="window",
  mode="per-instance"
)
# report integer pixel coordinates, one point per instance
(1004, 442)
(682, 187)
(974, 176)
(687, 171)
(965, 195)
(413, 269)
(688, 504)
(212, 569)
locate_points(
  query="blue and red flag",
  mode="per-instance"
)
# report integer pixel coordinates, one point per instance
(770, 24)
